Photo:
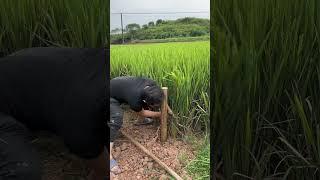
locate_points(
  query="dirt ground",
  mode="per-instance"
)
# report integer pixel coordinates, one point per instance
(59, 164)
(135, 164)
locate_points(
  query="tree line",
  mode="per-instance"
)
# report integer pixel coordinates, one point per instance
(162, 29)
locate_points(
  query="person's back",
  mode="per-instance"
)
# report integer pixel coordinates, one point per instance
(63, 90)
(130, 90)
(44, 86)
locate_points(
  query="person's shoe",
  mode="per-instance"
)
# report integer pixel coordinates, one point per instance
(145, 121)
(114, 168)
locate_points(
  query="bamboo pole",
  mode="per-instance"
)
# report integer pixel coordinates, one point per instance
(164, 116)
(167, 168)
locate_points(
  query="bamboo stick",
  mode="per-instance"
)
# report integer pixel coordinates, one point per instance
(164, 116)
(167, 168)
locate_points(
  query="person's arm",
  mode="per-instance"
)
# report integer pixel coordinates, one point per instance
(98, 167)
(150, 114)
(153, 114)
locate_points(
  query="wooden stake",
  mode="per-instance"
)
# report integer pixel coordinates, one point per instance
(164, 116)
(167, 168)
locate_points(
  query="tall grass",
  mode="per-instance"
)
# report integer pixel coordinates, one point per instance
(182, 67)
(73, 23)
(266, 106)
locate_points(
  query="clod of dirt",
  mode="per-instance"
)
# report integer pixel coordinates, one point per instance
(176, 143)
(141, 170)
(118, 149)
(124, 146)
(116, 154)
(146, 159)
(150, 165)
(156, 165)
(125, 168)
(164, 177)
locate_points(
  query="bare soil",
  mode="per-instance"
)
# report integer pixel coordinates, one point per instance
(135, 164)
(59, 164)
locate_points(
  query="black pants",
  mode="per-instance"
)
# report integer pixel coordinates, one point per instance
(116, 118)
(18, 159)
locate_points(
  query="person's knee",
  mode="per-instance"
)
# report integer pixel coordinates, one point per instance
(116, 115)
(115, 124)
(116, 119)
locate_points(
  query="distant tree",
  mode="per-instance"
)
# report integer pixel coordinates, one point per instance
(145, 26)
(187, 20)
(116, 30)
(197, 33)
(151, 23)
(132, 30)
(132, 27)
(159, 21)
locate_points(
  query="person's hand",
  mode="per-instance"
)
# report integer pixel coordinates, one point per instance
(170, 111)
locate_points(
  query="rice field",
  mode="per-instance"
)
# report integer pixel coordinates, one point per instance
(72, 23)
(266, 73)
(182, 67)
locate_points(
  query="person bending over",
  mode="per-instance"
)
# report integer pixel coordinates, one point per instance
(61, 90)
(140, 94)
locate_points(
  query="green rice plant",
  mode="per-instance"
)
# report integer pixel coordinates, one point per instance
(182, 67)
(199, 167)
(266, 106)
(72, 23)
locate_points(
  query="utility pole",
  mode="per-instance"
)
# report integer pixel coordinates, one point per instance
(122, 29)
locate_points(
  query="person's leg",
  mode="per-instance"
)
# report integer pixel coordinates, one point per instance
(115, 123)
(18, 159)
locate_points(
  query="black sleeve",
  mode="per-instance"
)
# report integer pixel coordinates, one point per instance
(136, 105)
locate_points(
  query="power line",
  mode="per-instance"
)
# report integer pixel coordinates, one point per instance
(185, 12)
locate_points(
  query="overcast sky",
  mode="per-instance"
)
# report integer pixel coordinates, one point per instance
(147, 6)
